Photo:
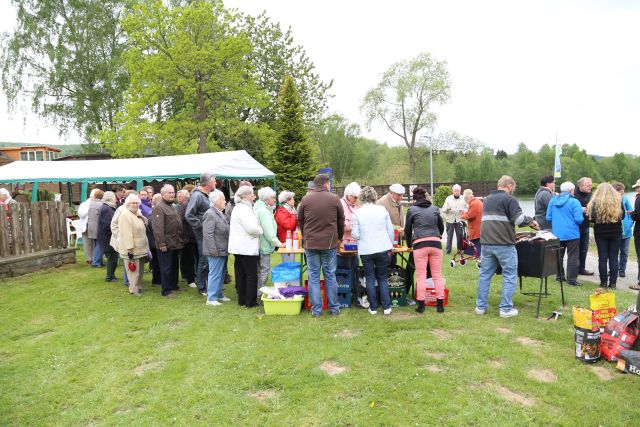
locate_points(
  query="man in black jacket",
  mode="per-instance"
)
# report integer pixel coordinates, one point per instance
(167, 232)
(583, 194)
(635, 215)
(197, 206)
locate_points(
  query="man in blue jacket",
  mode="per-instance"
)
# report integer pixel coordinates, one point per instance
(564, 213)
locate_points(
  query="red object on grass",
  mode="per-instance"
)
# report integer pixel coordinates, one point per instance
(431, 297)
(323, 290)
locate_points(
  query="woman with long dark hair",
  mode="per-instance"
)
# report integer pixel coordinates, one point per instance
(423, 230)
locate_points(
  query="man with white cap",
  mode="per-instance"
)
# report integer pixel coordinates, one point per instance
(392, 203)
(635, 215)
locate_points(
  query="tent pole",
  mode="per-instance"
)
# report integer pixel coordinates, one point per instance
(84, 187)
(275, 185)
(34, 192)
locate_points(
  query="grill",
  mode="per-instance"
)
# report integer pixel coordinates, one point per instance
(539, 259)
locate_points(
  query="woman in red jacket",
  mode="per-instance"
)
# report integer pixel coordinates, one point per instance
(473, 216)
(286, 219)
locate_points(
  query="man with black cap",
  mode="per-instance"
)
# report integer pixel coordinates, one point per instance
(541, 201)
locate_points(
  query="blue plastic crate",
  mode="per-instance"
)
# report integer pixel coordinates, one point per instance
(344, 277)
(344, 298)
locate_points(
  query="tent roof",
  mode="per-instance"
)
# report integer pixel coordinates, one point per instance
(225, 164)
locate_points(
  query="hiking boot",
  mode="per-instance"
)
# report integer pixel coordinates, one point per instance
(420, 307)
(440, 305)
(621, 274)
(511, 313)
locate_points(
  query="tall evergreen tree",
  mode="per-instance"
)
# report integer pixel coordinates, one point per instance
(291, 155)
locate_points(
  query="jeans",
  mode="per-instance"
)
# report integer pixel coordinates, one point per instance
(202, 269)
(432, 257)
(188, 262)
(97, 256)
(126, 278)
(168, 263)
(507, 257)
(375, 270)
(451, 227)
(264, 268)
(325, 258)
(584, 248)
(476, 243)
(217, 270)
(572, 248)
(624, 254)
(608, 254)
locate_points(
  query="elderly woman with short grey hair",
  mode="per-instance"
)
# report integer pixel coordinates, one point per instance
(373, 230)
(132, 242)
(215, 245)
(244, 243)
(263, 209)
(286, 218)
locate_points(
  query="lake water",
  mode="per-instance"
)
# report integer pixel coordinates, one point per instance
(528, 208)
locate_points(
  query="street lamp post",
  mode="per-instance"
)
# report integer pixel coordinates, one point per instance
(428, 137)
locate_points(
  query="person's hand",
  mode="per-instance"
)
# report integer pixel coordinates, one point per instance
(535, 225)
(130, 255)
(163, 248)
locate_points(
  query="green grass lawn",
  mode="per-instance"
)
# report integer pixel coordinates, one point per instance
(75, 350)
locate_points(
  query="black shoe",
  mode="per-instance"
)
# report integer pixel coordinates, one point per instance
(603, 285)
(573, 283)
(420, 307)
(564, 279)
(612, 285)
(440, 305)
(621, 274)
(586, 273)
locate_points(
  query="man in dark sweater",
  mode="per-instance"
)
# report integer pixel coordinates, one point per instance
(500, 214)
(541, 200)
(196, 207)
(321, 220)
(635, 215)
(583, 194)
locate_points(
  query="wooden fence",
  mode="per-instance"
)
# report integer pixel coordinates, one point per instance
(27, 228)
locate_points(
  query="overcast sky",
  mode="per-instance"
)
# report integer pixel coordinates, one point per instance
(520, 71)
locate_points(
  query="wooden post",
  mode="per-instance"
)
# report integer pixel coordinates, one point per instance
(14, 214)
(36, 227)
(4, 233)
(62, 224)
(26, 229)
(44, 223)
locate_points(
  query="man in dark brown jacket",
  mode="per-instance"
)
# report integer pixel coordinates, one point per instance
(321, 221)
(167, 231)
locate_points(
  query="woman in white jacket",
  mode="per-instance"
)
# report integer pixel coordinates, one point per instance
(244, 244)
(373, 230)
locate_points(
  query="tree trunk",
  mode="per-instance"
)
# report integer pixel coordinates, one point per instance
(202, 116)
(412, 163)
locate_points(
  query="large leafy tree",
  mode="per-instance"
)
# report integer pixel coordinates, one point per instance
(65, 56)
(403, 99)
(275, 55)
(190, 79)
(341, 147)
(291, 155)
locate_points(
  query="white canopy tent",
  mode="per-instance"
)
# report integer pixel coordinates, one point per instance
(225, 165)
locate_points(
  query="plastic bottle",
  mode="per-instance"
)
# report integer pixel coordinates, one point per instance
(296, 241)
(289, 243)
(396, 236)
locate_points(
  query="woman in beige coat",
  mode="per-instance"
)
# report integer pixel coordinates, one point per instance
(132, 242)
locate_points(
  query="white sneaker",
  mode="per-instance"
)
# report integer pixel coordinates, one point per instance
(213, 303)
(363, 302)
(511, 313)
(387, 312)
(372, 312)
(193, 285)
(480, 311)
(203, 293)
(224, 299)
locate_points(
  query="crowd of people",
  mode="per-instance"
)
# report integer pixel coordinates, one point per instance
(191, 234)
